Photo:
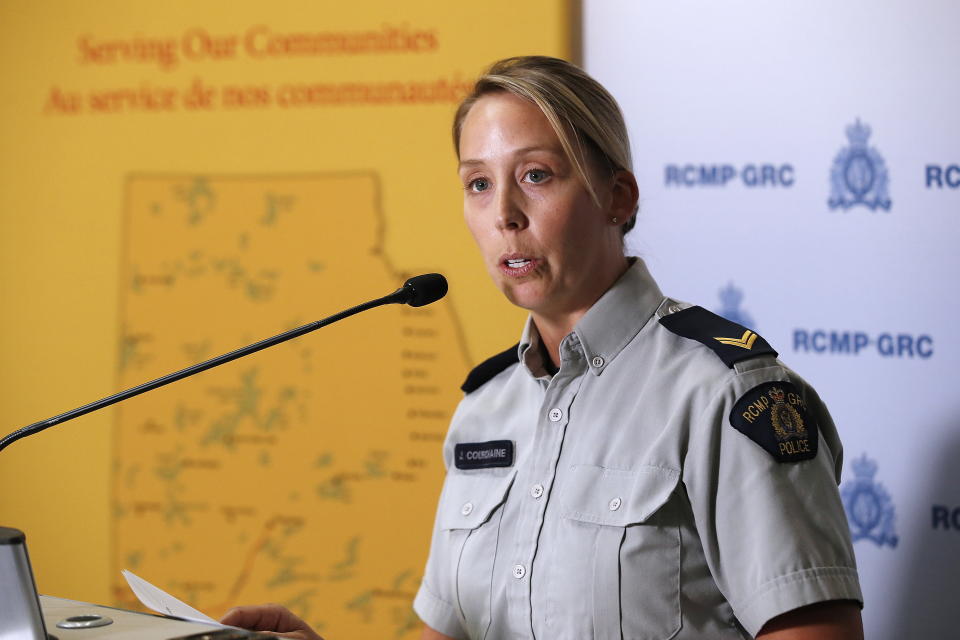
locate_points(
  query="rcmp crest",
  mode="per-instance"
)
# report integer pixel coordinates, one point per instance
(859, 175)
(868, 505)
(730, 299)
(774, 415)
(786, 420)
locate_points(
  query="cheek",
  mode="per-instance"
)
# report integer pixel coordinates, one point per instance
(575, 221)
(591, 220)
(473, 223)
(479, 232)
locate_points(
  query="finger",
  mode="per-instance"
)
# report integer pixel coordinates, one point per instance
(264, 617)
(240, 617)
(233, 617)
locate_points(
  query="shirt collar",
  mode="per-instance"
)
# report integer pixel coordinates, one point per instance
(609, 325)
(530, 353)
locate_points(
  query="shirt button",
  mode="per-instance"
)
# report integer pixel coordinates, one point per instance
(467, 509)
(556, 415)
(615, 504)
(519, 571)
(598, 362)
(536, 490)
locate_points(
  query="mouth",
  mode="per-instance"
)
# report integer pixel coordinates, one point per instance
(517, 265)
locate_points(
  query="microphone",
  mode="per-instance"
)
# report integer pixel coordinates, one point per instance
(419, 291)
(416, 292)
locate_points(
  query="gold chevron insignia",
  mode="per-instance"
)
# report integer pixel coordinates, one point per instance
(744, 342)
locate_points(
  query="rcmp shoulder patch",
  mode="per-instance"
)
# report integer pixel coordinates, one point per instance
(729, 340)
(490, 367)
(775, 416)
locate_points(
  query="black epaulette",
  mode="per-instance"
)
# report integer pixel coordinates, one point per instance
(729, 340)
(490, 367)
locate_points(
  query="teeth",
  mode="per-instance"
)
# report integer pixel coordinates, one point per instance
(517, 263)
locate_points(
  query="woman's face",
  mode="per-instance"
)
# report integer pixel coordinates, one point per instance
(547, 245)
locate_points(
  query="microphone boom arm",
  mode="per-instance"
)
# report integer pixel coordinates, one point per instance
(429, 286)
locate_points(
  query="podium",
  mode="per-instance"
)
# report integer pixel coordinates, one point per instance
(24, 615)
(69, 619)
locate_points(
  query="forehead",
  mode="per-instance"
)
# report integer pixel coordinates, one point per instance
(503, 122)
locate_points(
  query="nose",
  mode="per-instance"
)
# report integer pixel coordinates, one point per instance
(510, 210)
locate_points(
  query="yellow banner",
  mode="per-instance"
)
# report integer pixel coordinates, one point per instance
(184, 179)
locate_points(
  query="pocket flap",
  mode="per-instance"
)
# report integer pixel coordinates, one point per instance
(470, 498)
(616, 497)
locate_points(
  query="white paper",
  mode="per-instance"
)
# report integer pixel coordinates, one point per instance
(162, 602)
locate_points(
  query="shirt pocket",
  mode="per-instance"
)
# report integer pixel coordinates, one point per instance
(636, 555)
(470, 513)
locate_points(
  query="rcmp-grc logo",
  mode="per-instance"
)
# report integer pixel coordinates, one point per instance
(858, 174)
(730, 299)
(868, 505)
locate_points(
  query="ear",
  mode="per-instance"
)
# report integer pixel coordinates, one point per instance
(624, 196)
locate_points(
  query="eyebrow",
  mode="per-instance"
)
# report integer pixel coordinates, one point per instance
(518, 152)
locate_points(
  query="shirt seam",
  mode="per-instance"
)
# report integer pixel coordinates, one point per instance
(727, 382)
(802, 575)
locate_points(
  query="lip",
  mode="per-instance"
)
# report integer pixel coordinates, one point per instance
(518, 272)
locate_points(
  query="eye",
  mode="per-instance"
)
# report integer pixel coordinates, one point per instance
(479, 184)
(536, 176)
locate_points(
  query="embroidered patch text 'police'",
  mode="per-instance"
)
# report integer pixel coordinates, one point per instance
(775, 416)
(483, 455)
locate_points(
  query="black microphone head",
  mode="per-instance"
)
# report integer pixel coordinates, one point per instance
(422, 290)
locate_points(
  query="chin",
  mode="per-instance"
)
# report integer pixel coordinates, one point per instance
(523, 296)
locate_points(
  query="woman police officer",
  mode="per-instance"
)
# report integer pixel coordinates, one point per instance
(635, 467)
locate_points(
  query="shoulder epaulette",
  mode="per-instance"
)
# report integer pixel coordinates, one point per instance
(490, 367)
(729, 340)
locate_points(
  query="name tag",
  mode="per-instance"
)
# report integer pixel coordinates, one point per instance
(483, 455)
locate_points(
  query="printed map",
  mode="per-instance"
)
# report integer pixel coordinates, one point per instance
(306, 474)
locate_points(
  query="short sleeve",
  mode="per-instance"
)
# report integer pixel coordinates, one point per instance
(436, 613)
(772, 527)
(435, 601)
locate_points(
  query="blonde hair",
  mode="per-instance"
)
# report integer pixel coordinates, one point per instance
(585, 117)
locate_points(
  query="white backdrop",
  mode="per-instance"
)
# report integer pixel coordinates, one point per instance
(764, 200)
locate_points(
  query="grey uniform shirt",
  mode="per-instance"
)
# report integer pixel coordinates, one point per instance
(632, 507)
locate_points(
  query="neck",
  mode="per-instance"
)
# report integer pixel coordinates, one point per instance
(554, 327)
